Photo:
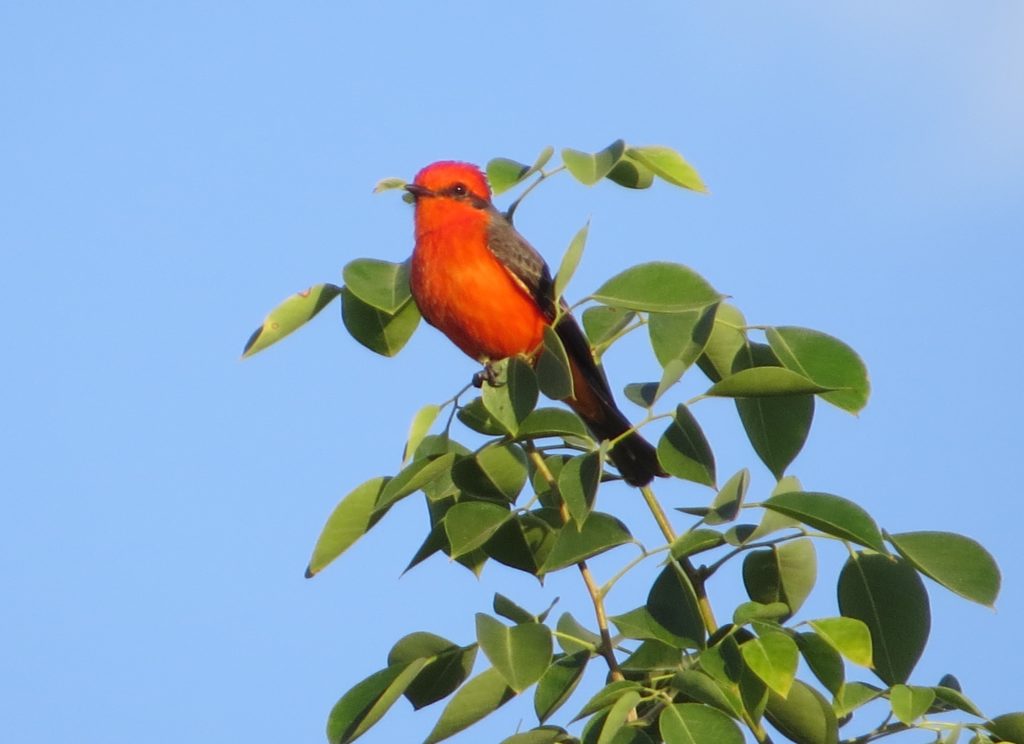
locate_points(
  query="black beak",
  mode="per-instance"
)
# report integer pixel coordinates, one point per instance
(418, 191)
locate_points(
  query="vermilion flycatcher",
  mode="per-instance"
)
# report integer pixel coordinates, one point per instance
(481, 284)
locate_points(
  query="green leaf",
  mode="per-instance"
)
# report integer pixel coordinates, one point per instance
(476, 699)
(750, 611)
(642, 394)
(479, 419)
(781, 573)
(824, 661)
(910, 703)
(503, 174)
(380, 332)
(777, 427)
(600, 532)
(412, 478)
(702, 688)
(602, 323)
(681, 336)
(617, 715)
(887, 595)
(553, 422)
(350, 520)
(956, 562)
(853, 695)
(290, 315)
(763, 382)
(652, 655)
(668, 165)
(511, 611)
(831, 514)
(804, 716)
(389, 184)
(825, 360)
(363, 705)
(570, 261)
(554, 375)
(419, 427)
(631, 174)
(521, 653)
(684, 451)
(513, 399)
(558, 683)
(638, 624)
(525, 541)
(658, 286)
(606, 697)
(497, 472)
(448, 666)
(574, 637)
(728, 337)
(693, 723)
(948, 698)
(848, 636)
(577, 483)
(1008, 727)
(696, 541)
(382, 285)
(728, 500)
(588, 168)
(672, 603)
(470, 524)
(772, 656)
(541, 735)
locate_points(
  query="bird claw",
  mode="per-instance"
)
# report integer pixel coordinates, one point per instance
(488, 374)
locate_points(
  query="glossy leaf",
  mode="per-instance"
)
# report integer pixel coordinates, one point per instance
(523, 542)
(772, 656)
(831, 514)
(521, 653)
(542, 735)
(825, 360)
(642, 394)
(503, 174)
(349, 521)
(479, 419)
(956, 562)
(804, 716)
(363, 705)
(570, 260)
(412, 478)
(419, 427)
(728, 337)
(558, 683)
(448, 666)
(681, 336)
(652, 655)
(684, 452)
(658, 286)
(726, 504)
(554, 375)
(763, 382)
(600, 532)
(701, 687)
(553, 422)
(631, 174)
(475, 700)
(470, 524)
(290, 315)
(512, 611)
(692, 723)
(823, 660)
(389, 184)
(513, 398)
(777, 427)
(848, 636)
(589, 168)
(577, 483)
(574, 637)
(602, 323)
(668, 165)
(750, 611)
(887, 595)
(1008, 727)
(616, 717)
(672, 603)
(910, 703)
(382, 285)
(696, 541)
(378, 331)
(606, 697)
(853, 695)
(496, 472)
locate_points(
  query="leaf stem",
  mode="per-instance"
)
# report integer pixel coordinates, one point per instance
(544, 175)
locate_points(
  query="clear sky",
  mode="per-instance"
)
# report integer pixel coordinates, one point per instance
(169, 172)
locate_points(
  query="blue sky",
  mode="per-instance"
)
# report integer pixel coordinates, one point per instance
(170, 172)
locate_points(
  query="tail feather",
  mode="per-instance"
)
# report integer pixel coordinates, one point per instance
(635, 457)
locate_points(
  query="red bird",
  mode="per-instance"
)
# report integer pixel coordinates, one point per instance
(481, 284)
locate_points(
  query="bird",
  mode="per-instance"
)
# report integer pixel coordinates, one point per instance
(479, 282)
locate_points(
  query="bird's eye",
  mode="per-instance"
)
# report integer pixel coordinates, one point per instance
(459, 189)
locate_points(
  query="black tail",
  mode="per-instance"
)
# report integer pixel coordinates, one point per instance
(634, 456)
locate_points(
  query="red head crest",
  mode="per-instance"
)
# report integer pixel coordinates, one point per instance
(444, 175)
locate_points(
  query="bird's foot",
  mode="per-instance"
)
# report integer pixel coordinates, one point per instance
(488, 374)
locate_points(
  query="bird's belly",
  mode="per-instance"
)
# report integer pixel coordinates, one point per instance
(478, 305)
